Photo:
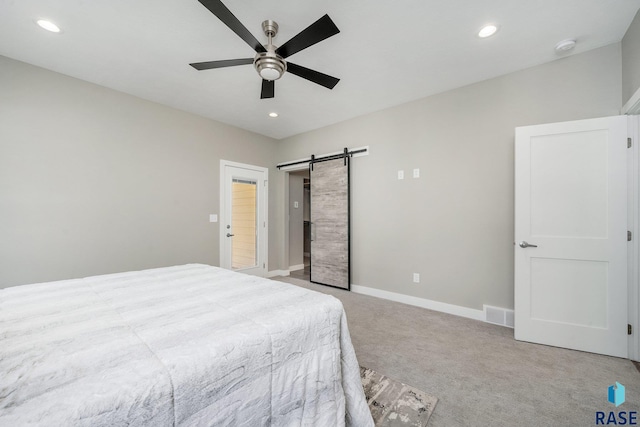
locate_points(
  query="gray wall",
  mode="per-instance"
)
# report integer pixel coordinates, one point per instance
(94, 181)
(631, 60)
(296, 220)
(454, 225)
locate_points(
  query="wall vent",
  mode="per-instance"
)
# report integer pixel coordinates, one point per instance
(498, 316)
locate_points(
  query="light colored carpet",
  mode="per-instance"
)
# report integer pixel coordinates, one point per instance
(394, 404)
(481, 375)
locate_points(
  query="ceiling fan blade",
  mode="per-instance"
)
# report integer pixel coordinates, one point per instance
(220, 64)
(268, 89)
(220, 10)
(322, 29)
(312, 75)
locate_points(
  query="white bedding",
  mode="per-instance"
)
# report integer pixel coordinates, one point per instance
(190, 345)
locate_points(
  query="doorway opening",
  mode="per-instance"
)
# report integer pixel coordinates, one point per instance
(299, 225)
(243, 221)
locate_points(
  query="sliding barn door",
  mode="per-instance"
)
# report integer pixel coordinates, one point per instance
(330, 223)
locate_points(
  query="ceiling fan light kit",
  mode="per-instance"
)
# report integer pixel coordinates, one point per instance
(269, 60)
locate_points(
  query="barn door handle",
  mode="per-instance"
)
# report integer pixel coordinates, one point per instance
(525, 245)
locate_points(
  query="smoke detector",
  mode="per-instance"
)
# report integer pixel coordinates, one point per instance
(565, 45)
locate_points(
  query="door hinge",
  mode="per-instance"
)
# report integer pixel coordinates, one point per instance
(264, 265)
(629, 236)
(629, 329)
(628, 142)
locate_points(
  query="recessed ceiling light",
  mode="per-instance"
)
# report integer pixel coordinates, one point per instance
(48, 25)
(488, 30)
(565, 45)
(273, 114)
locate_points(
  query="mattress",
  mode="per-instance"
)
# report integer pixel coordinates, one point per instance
(190, 345)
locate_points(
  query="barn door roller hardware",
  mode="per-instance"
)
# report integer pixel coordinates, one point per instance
(313, 159)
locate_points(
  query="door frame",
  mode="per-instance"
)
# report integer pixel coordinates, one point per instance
(262, 208)
(633, 248)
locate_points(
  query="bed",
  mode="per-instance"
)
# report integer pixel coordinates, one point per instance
(190, 345)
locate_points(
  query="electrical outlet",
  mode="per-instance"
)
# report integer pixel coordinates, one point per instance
(416, 173)
(400, 174)
(416, 277)
(296, 205)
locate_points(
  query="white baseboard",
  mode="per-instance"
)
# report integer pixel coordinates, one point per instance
(495, 315)
(274, 273)
(421, 302)
(296, 267)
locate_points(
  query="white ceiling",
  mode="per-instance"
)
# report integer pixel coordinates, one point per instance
(387, 53)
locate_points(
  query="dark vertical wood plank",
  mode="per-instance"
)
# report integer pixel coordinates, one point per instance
(330, 223)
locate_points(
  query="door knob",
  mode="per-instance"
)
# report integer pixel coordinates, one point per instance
(525, 245)
(229, 235)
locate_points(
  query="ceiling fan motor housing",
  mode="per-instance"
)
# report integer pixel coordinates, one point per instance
(269, 64)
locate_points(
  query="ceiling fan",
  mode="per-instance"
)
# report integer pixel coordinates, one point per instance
(269, 61)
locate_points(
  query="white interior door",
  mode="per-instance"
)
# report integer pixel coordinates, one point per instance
(571, 209)
(243, 223)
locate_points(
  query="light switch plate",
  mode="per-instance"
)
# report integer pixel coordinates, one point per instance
(296, 205)
(400, 174)
(213, 218)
